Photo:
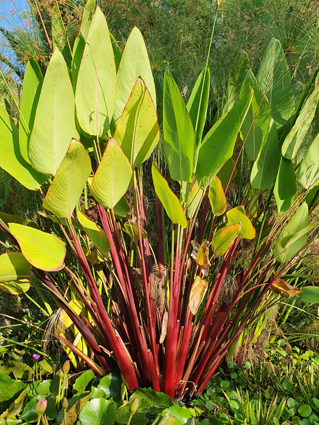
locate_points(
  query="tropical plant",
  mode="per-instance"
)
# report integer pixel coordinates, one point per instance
(168, 324)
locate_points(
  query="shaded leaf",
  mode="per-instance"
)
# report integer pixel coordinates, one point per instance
(308, 171)
(280, 286)
(197, 294)
(310, 294)
(132, 230)
(285, 186)
(95, 233)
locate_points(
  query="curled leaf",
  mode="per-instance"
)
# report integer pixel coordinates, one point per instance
(197, 294)
(281, 287)
(200, 254)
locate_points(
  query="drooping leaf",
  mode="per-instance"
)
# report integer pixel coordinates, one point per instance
(217, 197)
(13, 266)
(285, 186)
(218, 144)
(308, 171)
(194, 197)
(113, 176)
(11, 159)
(256, 123)
(198, 102)
(310, 294)
(42, 250)
(15, 288)
(280, 286)
(95, 233)
(54, 124)
(238, 215)
(265, 168)
(298, 132)
(69, 181)
(8, 416)
(96, 87)
(179, 135)
(134, 64)
(137, 132)
(197, 294)
(224, 237)
(275, 79)
(32, 84)
(200, 254)
(298, 221)
(168, 199)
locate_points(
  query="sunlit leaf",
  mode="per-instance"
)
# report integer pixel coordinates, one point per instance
(238, 215)
(132, 230)
(13, 266)
(217, 197)
(194, 197)
(224, 237)
(200, 254)
(95, 233)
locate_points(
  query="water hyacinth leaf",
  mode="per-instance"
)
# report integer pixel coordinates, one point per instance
(218, 144)
(274, 77)
(238, 215)
(197, 294)
(137, 132)
(107, 188)
(256, 123)
(298, 132)
(265, 168)
(54, 124)
(310, 294)
(281, 287)
(69, 181)
(15, 288)
(308, 171)
(198, 102)
(111, 384)
(42, 250)
(11, 159)
(134, 64)
(217, 197)
(32, 84)
(13, 266)
(168, 199)
(194, 198)
(298, 221)
(132, 230)
(98, 411)
(95, 233)
(96, 87)
(179, 135)
(285, 186)
(223, 239)
(227, 171)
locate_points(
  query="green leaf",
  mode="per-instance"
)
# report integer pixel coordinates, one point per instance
(117, 52)
(32, 83)
(83, 381)
(265, 168)
(194, 198)
(59, 36)
(95, 233)
(304, 410)
(218, 144)
(285, 186)
(308, 171)
(17, 369)
(236, 78)
(77, 54)
(149, 399)
(69, 181)
(54, 124)
(43, 250)
(298, 132)
(198, 102)
(134, 64)
(168, 199)
(98, 412)
(15, 288)
(179, 135)
(298, 221)
(137, 132)
(87, 17)
(256, 123)
(75, 406)
(227, 170)
(122, 208)
(217, 197)
(223, 238)
(96, 87)
(309, 294)
(182, 414)
(11, 159)
(290, 240)
(13, 266)
(275, 79)
(238, 215)
(111, 384)
(13, 410)
(132, 230)
(113, 176)
(9, 391)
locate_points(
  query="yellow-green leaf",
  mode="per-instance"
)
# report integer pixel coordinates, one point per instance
(217, 197)
(95, 233)
(42, 250)
(15, 288)
(13, 266)
(224, 237)
(132, 230)
(194, 197)
(238, 215)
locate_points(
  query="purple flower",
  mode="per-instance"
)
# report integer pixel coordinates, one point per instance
(36, 357)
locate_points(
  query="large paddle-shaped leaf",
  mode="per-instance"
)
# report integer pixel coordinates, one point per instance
(96, 86)
(54, 124)
(137, 132)
(69, 181)
(217, 197)
(308, 171)
(238, 215)
(11, 159)
(134, 64)
(113, 177)
(285, 186)
(43, 250)
(223, 239)
(298, 132)
(13, 266)
(179, 135)
(95, 233)
(218, 144)
(275, 79)
(168, 199)
(32, 84)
